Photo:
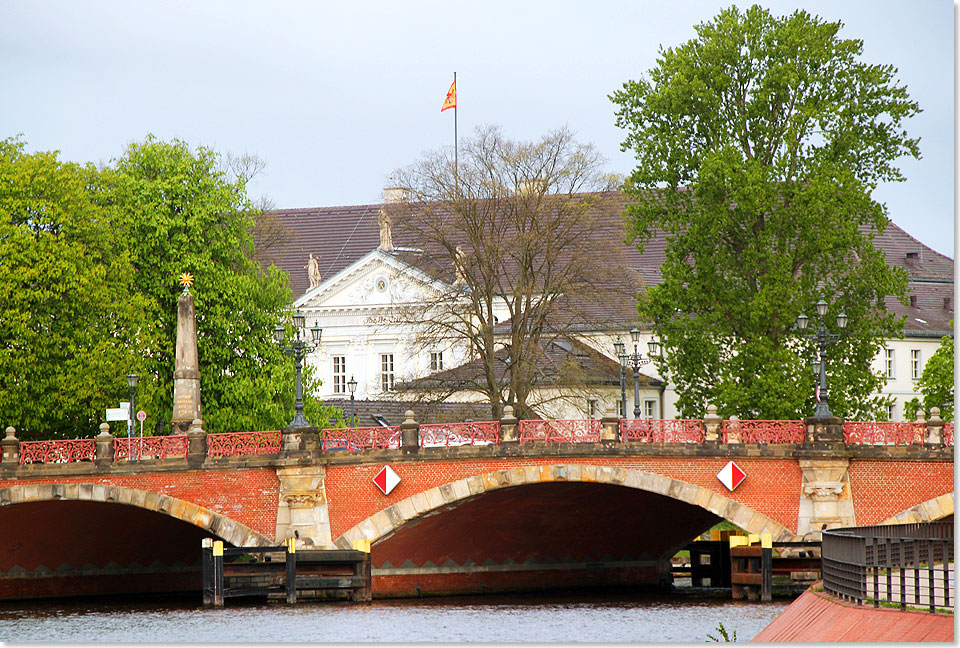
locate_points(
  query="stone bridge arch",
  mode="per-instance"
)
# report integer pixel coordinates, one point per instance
(933, 509)
(217, 524)
(393, 517)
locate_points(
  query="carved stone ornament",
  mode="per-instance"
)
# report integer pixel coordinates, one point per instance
(823, 490)
(301, 500)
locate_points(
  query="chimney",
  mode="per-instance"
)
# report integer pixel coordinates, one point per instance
(395, 195)
(913, 301)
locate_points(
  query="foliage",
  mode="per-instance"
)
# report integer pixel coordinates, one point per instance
(758, 144)
(509, 230)
(66, 281)
(936, 383)
(723, 634)
(89, 261)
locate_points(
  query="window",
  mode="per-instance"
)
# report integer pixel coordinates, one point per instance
(339, 374)
(386, 372)
(889, 364)
(620, 408)
(892, 412)
(649, 408)
(591, 408)
(915, 368)
(436, 361)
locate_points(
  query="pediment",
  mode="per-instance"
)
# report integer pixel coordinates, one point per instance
(377, 280)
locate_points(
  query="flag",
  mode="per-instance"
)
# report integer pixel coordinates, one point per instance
(451, 100)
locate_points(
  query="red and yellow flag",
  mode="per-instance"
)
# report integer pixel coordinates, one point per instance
(451, 100)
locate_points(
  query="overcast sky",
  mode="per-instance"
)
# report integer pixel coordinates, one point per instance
(334, 96)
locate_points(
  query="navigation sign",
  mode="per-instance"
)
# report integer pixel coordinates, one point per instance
(386, 480)
(141, 416)
(731, 475)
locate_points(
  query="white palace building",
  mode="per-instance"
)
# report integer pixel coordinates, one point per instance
(363, 272)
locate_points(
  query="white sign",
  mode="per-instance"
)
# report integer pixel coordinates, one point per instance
(121, 413)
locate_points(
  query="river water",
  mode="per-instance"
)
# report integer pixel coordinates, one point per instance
(596, 617)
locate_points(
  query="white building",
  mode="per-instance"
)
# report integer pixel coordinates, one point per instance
(365, 278)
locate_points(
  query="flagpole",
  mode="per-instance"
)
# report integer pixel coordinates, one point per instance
(456, 160)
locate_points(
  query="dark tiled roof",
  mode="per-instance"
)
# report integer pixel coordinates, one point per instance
(338, 236)
(424, 412)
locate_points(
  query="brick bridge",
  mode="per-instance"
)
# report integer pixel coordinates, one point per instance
(479, 506)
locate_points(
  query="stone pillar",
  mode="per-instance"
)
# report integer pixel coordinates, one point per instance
(409, 434)
(823, 430)
(934, 428)
(610, 426)
(733, 430)
(300, 442)
(11, 449)
(196, 443)
(186, 375)
(302, 508)
(825, 497)
(508, 426)
(711, 424)
(104, 450)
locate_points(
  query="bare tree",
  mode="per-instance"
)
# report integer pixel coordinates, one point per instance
(513, 232)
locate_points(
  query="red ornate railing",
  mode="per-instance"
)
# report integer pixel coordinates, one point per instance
(57, 451)
(575, 431)
(758, 431)
(662, 430)
(363, 438)
(883, 432)
(458, 434)
(154, 447)
(233, 444)
(947, 434)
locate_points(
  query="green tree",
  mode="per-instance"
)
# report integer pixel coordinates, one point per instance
(936, 383)
(184, 214)
(758, 144)
(69, 302)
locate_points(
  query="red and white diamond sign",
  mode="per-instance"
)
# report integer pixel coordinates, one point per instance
(731, 476)
(386, 480)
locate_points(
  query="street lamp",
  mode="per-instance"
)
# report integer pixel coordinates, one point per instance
(823, 337)
(621, 349)
(352, 386)
(636, 361)
(299, 348)
(132, 379)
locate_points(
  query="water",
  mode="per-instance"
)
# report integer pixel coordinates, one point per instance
(568, 618)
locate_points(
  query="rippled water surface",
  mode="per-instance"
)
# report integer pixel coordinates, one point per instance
(592, 618)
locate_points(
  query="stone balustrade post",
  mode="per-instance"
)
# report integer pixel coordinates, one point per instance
(11, 448)
(934, 428)
(508, 426)
(610, 426)
(300, 442)
(409, 434)
(711, 424)
(104, 448)
(196, 443)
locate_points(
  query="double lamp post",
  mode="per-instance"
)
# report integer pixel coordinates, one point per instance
(823, 337)
(299, 348)
(634, 360)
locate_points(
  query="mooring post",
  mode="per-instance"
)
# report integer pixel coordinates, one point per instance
(206, 570)
(766, 567)
(291, 570)
(217, 573)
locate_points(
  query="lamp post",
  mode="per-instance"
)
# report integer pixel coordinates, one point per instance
(621, 349)
(299, 348)
(636, 361)
(132, 380)
(823, 337)
(352, 386)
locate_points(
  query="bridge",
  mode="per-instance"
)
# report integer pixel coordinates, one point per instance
(474, 506)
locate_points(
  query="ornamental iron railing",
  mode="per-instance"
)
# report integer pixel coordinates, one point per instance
(233, 444)
(662, 430)
(758, 431)
(361, 438)
(884, 432)
(902, 564)
(57, 451)
(559, 431)
(948, 434)
(154, 447)
(460, 434)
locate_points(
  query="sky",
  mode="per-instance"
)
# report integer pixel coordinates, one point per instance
(334, 96)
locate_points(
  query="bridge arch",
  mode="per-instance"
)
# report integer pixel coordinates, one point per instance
(933, 509)
(217, 524)
(393, 517)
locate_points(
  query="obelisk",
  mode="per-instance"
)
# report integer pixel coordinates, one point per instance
(186, 374)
